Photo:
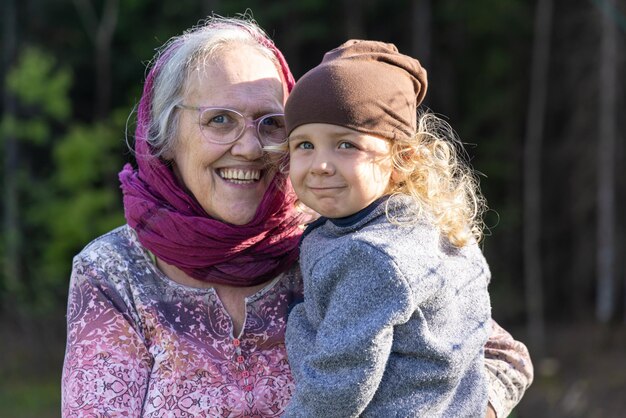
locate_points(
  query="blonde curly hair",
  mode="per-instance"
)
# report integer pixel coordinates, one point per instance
(432, 168)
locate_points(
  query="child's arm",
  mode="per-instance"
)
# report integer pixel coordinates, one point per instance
(509, 370)
(339, 343)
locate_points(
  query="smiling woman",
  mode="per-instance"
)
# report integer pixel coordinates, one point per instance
(182, 311)
(241, 79)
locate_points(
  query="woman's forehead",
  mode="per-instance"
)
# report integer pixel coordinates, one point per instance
(235, 75)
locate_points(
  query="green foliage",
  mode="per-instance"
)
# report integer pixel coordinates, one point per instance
(36, 82)
(36, 131)
(84, 202)
(66, 200)
(83, 156)
(42, 90)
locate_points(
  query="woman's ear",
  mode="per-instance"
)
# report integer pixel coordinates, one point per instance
(167, 157)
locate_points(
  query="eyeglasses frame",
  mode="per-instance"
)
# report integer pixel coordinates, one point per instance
(249, 122)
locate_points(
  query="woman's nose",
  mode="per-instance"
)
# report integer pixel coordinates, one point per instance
(248, 145)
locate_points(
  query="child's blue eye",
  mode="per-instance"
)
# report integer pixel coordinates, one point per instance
(305, 145)
(346, 145)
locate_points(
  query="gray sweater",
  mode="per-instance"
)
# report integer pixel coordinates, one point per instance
(393, 323)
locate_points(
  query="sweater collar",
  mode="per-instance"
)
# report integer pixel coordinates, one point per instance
(355, 218)
(346, 221)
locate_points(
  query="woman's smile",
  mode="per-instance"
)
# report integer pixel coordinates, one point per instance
(240, 175)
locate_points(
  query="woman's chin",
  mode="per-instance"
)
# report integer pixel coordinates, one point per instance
(237, 214)
(239, 220)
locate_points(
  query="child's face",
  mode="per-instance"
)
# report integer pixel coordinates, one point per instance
(337, 171)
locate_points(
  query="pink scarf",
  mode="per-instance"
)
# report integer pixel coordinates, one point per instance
(172, 224)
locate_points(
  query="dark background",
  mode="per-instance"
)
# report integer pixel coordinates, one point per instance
(536, 89)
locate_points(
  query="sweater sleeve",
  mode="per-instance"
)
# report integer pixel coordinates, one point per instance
(339, 361)
(107, 365)
(509, 370)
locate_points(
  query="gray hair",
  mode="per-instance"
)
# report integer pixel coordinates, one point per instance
(183, 54)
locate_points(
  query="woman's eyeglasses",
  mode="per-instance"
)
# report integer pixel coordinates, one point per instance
(224, 126)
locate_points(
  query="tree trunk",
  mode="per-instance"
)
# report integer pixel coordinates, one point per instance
(420, 41)
(532, 176)
(606, 221)
(11, 233)
(353, 12)
(101, 34)
(421, 18)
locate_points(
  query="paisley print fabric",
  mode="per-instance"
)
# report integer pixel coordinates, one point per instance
(142, 345)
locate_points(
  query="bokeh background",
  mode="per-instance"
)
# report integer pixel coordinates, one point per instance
(535, 88)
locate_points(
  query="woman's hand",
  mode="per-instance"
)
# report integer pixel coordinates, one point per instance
(491, 413)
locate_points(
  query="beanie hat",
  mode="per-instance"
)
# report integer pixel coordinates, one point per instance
(367, 86)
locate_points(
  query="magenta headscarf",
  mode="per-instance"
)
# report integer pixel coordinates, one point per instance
(174, 226)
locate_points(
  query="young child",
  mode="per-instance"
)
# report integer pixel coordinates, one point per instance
(396, 310)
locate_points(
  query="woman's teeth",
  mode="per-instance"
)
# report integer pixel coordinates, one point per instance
(239, 176)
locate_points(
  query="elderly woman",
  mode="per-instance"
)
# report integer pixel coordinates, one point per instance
(182, 311)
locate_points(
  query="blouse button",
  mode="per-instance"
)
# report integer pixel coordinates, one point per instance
(236, 342)
(245, 374)
(240, 359)
(248, 388)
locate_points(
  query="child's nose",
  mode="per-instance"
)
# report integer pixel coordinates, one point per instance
(322, 166)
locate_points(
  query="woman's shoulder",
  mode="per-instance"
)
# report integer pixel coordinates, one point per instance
(109, 274)
(116, 258)
(119, 243)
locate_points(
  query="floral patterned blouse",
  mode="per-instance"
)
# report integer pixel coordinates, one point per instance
(142, 345)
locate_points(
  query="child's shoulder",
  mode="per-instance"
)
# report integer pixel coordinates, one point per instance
(386, 231)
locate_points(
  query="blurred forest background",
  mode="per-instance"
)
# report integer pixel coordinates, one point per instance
(537, 89)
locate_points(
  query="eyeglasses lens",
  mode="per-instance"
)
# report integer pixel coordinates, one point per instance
(221, 125)
(271, 129)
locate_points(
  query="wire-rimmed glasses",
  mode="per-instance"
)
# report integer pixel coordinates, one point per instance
(225, 126)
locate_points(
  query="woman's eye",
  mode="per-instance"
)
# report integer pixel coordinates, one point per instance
(219, 119)
(272, 122)
(305, 145)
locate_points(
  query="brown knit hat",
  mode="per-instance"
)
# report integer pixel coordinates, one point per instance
(367, 86)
